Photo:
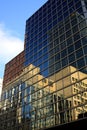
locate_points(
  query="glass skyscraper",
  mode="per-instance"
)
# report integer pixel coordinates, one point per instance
(50, 88)
(55, 36)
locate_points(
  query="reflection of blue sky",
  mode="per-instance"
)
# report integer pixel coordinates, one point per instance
(37, 48)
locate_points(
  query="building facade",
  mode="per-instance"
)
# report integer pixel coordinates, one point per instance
(13, 68)
(0, 87)
(46, 84)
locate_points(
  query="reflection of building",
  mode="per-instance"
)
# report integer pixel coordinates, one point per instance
(45, 101)
(34, 101)
(72, 84)
(46, 83)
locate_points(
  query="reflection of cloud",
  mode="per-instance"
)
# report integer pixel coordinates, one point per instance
(10, 46)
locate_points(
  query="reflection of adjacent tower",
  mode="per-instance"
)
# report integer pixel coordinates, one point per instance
(41, 98)
(63, 95)
(48, 106)
(72, 84)
(48, 101)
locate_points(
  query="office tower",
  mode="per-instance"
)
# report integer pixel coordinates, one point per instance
(13, 68)
(49, 87)
(55, 36)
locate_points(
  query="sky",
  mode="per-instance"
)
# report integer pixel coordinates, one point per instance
(13, 16)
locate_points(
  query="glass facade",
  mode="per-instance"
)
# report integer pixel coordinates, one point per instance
(56, 33)
(52, 86)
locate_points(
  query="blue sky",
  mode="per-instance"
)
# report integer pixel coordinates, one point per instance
(13, 16)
